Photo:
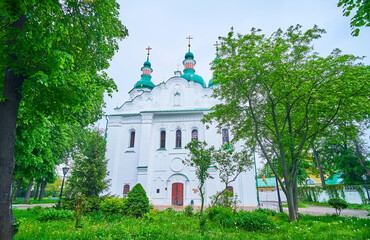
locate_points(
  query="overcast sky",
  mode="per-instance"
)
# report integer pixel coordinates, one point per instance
(164, 25)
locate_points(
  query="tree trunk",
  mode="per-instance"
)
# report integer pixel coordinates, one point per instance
(8, 120)
(28, 194)
(316, 156)
(295, 196)
(293, 213)
(42, 190)
(359, 156)
(37, 191)
(19, 186)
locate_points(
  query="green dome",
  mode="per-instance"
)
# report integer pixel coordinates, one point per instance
(189, 55)
(144, 82)
(210, 83)
(147, 64)
(193, 77)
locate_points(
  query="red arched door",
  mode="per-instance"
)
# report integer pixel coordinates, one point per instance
(178, 194)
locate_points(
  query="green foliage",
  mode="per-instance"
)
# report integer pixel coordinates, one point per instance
(361, 17)
(188, 211)
(338, 204)
(53, 214)
(225, 200)
(137, 203)
(250, 221)
(89, 171)
(267, 212)
(112, 205)
(310, 194)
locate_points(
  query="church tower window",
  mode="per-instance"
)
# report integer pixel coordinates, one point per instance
(177, 99)
(163, 139)
(178, 138)
(225, 136)
(132, 139)
(194, 134)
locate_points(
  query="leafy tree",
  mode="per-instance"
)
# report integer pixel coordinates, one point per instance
(201, 160)
(278, 94)
(230, 164)
(362, 15)
(55, 51)
(338, 204)
(137, 203)
(89, 168)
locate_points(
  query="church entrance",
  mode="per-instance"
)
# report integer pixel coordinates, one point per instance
(178, 194)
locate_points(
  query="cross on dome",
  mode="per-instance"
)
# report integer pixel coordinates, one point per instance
(216, 45)
(189, 38)
(148, 48)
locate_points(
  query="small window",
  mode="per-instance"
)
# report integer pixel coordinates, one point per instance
(178, 138)
(230, 188)
(225, 136)
(132, 139)
(157, 190)
(177, 99)
(194, 134)
(310, 181)
(126, 188)
(163, 139)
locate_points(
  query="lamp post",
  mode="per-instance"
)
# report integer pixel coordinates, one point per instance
(65, 170)
(367, 191)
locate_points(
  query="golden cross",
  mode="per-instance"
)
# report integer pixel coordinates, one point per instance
(216, 44)
(189, 38)
(148, 48)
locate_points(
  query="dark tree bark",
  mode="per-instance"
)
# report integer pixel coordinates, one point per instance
(37, 191)
(317, 160)
(19, 186)
(8, 120)
(28, 194)
(42, 190)
(359, 156)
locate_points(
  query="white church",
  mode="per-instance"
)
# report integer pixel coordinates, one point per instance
(146, 137)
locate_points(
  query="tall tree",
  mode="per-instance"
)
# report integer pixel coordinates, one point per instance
(56, 51)
(362, 13)
(89, 167)
(278, 94)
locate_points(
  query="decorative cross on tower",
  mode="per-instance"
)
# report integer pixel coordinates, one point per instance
(216, 45)
(189, 38)
(148, 48)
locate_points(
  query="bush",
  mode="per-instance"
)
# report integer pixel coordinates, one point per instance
(338, 204)
(137, 203)
(53, 214)
(188, 211)
(112, 205)
(250, 221)
(225, 200)
(265, 211)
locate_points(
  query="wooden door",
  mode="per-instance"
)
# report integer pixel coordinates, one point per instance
(178, 194)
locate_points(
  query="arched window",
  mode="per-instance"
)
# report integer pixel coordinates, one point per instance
(194, 134)
(132, 139)
(225, 136)
(126, 188)
(230, 188)
(163, 139)
(178, 138)
(177, 99)
(310, 181)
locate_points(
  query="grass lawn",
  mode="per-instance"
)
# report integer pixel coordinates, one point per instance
(175, 225)
(36, 201)
(350, 206)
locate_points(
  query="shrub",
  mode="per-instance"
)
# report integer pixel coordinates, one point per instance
(268, 212)
(338, 204)
(112, 205)
(188, 211)
(53, 214)
(225, 200)
(169, 210)
(137, 203)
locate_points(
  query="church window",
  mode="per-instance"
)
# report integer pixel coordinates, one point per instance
(157, 190)
(163, 139)
(126, 188)
(132, 139)
(176, 99)
(194, 134)
(178, 138)
(225, 136)
(230, 189)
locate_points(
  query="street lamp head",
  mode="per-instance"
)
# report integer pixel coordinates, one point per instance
(65, 170)
(364, 177)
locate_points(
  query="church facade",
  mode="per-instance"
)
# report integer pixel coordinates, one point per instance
(146, 137)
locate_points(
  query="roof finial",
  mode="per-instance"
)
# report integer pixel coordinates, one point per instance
(189, 38)
(216, 45)
(148, 48)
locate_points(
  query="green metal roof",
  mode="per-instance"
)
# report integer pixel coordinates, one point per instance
(193, 77)
(189, 55)
(145, 82)
(334, 179)
(268, 182)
